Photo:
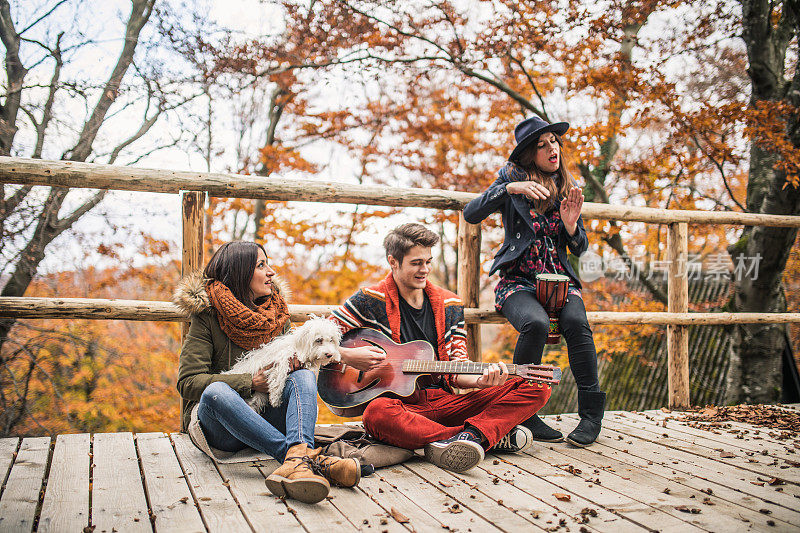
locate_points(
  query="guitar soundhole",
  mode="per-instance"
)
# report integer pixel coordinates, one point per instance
(368, 386)
(375, 344)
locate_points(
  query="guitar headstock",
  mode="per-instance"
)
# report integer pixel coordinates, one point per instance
(542, 373)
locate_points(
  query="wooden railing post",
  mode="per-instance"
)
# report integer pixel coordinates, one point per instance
(678, 302)
(192, 251)
(469, 254)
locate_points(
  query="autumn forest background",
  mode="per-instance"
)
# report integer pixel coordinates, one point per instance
(673, 104)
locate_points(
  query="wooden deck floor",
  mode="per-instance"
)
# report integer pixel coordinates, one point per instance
(645, 473)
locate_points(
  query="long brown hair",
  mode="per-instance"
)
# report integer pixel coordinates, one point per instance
(558, 187)
(233, 265)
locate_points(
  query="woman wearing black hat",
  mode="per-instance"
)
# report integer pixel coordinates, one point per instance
(541, 206)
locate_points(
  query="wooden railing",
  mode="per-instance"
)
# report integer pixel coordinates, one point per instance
(193, 186)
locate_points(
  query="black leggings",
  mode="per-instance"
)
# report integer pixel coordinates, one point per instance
(530, 319)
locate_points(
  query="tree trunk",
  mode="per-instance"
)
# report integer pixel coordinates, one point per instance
(756, 369)
(15, 73)
(48, 224)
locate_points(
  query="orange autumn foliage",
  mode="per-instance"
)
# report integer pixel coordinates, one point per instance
(95, 375)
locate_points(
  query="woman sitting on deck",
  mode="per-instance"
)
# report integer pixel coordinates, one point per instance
(541, 208)
(237, 306)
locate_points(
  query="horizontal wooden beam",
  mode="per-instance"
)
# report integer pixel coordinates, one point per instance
(91, 176)
(98, 309)
(87, 175)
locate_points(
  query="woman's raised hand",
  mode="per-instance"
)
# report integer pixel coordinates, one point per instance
(531, 189)
(571, 209)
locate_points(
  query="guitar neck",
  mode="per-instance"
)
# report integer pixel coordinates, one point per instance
(449, 367)
(543, 373)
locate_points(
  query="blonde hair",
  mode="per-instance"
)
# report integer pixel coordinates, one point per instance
(558, 187)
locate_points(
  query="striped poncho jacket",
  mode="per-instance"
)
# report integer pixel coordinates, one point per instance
(378, 307)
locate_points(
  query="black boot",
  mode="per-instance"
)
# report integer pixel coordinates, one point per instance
(591, 407)
(541, 431)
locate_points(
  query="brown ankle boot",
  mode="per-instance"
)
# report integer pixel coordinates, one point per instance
(295, 479)
(340, 472)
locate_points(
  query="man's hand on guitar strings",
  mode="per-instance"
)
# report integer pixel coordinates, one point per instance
(363, 357)
(493, 375)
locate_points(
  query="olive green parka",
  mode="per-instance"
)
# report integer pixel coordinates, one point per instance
(207, 351)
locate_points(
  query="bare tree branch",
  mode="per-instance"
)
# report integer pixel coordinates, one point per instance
(47, 14)
(721, 169)
(67, 222)
(15, 73)
(140, 13)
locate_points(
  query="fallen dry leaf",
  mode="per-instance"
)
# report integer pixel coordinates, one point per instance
(687, 509)
(400, 517)
(560, 496)
(726, 455)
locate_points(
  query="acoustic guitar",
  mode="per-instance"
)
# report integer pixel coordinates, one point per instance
(347, 391)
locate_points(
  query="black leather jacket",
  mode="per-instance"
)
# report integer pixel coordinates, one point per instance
(518, 226)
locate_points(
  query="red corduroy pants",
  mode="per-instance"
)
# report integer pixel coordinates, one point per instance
(435, 414)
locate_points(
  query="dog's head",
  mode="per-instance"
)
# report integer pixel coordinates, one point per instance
(317, 342)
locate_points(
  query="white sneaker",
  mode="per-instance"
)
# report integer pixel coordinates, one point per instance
(518, 439)
(457, 454)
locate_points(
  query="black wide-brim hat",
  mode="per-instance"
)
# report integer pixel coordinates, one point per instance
(530, 129)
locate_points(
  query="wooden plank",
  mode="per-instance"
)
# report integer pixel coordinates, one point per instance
(678, 302)
(749, 436)
(362, 511)
(8, 450)
(700, 467)
(21, 495)
(66, 500)
(379, 490)
(714, 489)
(437, 503)
(118, 498)
(743, 458)
(219, 509)
(543, 463)
(103, 309)
(192, 247)
(319, 517)
(539, 502)
(749, 439)
(171, 502)
(645, 485)
(501, 505)
(95, 176)
(264, 512)
(468, 282)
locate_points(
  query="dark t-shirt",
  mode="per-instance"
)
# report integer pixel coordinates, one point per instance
(420, 325)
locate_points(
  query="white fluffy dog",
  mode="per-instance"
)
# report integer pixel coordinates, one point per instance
(315, 343)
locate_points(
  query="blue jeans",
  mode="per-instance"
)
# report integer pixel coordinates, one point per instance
(229, 424)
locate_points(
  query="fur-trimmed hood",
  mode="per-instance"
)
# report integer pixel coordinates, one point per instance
(191, 296)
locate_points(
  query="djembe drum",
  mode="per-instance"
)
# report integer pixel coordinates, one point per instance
(551, 291)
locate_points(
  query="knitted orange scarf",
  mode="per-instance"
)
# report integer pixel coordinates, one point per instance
(248, 328)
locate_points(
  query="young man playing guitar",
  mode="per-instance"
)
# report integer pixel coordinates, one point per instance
(454, 429)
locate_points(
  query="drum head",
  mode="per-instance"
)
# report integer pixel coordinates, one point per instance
(552, 277)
